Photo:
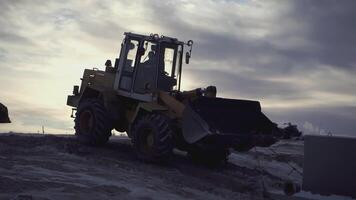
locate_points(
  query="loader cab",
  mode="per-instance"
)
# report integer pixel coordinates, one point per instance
(147, 64)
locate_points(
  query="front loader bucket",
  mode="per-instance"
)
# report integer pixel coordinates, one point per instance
(240, 119)
(4, 115)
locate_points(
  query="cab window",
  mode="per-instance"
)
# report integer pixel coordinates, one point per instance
(131, 55)
(168, 61)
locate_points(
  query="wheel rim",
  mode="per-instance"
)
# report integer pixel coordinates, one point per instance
(86, 122)
(147, 140)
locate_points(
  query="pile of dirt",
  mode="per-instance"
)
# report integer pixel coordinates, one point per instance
(58, 167)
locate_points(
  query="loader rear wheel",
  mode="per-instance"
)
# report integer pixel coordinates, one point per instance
(152, 138)
(211, 156)
(92, 126)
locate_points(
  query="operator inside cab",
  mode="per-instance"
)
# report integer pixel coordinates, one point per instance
(166, 66)
(151, 56)
(147, 69)
(150, 64)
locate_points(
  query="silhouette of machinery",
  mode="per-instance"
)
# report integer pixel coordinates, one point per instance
(141, 95)
(4, 115)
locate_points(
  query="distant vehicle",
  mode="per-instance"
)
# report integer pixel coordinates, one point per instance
(141, 95)
(4, 114)
(290, 131)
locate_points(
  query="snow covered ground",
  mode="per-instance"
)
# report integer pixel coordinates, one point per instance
(57, 167)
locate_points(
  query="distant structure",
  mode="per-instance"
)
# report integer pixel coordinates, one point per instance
(329, 165)
(288, 132)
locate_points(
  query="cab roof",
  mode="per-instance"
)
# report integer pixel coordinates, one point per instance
(154, 37)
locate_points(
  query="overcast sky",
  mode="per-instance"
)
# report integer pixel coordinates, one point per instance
(298, 58)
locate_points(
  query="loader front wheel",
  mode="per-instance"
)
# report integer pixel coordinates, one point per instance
(152, 138)
(92, 126)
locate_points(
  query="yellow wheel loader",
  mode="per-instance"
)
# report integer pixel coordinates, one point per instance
(140, 94)
(4, 115)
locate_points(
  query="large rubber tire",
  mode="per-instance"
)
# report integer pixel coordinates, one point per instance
(209, 156)
(152, 138)
(92, 124)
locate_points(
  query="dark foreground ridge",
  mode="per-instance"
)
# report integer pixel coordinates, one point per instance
(58, 167)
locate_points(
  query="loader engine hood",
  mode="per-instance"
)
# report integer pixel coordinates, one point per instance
(219, 116)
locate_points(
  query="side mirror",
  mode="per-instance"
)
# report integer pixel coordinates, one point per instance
(187, 57)
(188, 54)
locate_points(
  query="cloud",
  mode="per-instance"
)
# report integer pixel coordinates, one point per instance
(234, 85)
(292, 35)
(29, 117)
(10, 37)
(290, 55)
(312, 129)
(338, 120)
(331, 27)
(52, 118)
